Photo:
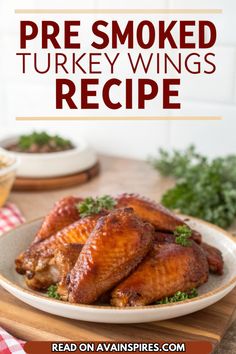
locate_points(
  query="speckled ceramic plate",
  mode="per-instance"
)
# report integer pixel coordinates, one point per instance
(217, 287)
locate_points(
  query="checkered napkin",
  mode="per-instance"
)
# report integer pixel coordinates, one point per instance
(10, 217)
(9, 344)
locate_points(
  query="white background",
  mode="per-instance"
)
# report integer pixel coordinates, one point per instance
(134, 139)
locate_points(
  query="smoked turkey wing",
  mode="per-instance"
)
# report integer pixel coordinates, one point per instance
(213, 255)
(150, 211)
(168, 268)
(63, 214)
(36, 258)
(118, 243)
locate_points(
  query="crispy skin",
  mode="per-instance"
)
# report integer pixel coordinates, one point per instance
(63, 214)
(56, 270)
(65, 259)
(168, 268)
(150, 211)
(36, 258)
(118, 243)
(214, 258)
(42, 280)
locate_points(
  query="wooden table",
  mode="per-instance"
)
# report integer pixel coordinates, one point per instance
(119, 175)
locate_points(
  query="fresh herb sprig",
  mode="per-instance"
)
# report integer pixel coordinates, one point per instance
(182, 234)
(52, 292)
(204, 188)
(179, 296)
(92, 206)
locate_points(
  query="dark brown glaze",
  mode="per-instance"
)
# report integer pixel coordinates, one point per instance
(168, 237)
(164, 237)
(37, 257)
(214, 258)
(213, 255)
(150, 211)
(116, 246)
(168, 268)
(64, 260)
(63, 214)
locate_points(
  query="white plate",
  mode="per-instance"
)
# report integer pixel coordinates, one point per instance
(53, 164)
(15, 241)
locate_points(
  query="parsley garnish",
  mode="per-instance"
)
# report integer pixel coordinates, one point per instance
(41, 139)
(179, 296)
(204, 188)
(182, 234)
(52, 292)
(92, 206)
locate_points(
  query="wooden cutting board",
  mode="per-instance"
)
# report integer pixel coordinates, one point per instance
(26, 322)
(44, 184)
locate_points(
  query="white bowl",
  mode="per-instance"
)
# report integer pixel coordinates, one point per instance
(54, 164)
(216, 288)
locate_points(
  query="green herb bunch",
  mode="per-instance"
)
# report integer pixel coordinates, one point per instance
(179, 296)
(92, 206)
(204, 188)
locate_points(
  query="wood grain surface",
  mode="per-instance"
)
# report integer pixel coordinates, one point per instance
(117, 175)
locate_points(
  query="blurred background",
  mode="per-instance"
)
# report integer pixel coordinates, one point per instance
(214, 96)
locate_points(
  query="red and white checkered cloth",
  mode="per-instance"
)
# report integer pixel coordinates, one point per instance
(10, 217)
(9, 344)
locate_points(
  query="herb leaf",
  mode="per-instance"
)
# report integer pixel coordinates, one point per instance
(52, 292)
(92, 206)
(178, 296)
(205, 189)
(182, 234)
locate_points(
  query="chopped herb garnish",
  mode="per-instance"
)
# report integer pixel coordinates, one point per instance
(179, 296)
(41, 139)
(52, 292)
(182, 234)
(92, 206)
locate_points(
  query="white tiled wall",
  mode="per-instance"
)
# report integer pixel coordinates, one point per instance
(139, 139)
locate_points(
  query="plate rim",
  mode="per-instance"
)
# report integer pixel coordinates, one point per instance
(37, 295)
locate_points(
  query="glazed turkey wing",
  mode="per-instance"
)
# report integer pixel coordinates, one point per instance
(150, 211)
(63, 214)
(36, 258)
(118, 243)
(168, 268)
(213, 255)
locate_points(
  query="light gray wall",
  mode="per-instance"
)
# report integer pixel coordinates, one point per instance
(137, 139)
